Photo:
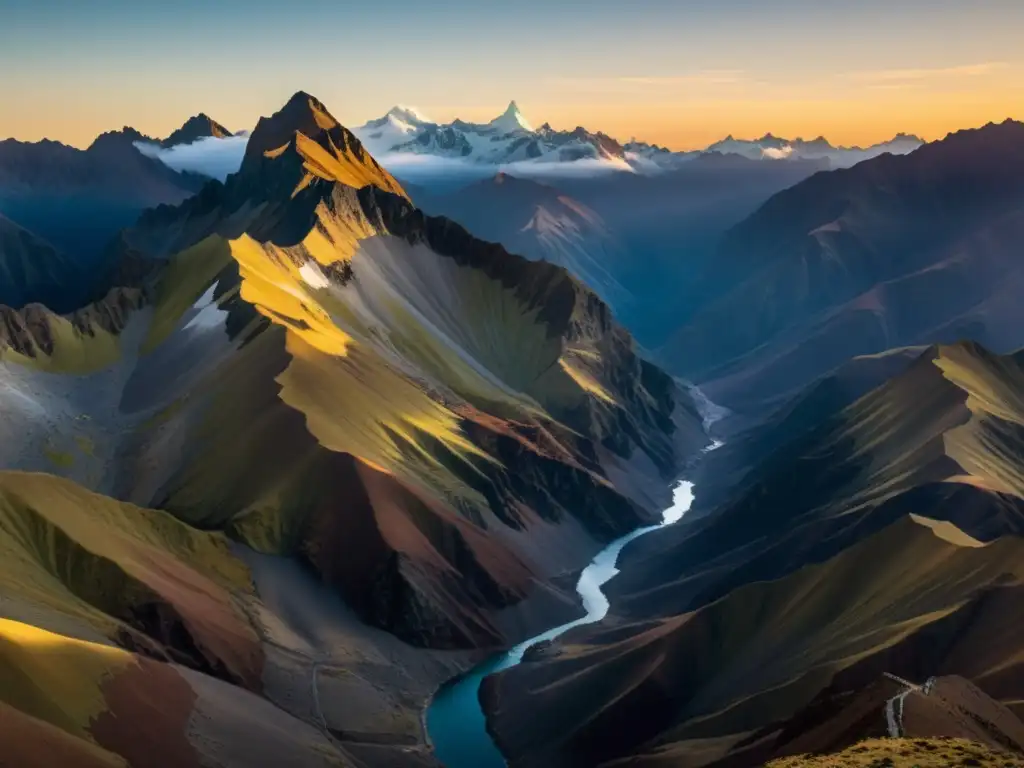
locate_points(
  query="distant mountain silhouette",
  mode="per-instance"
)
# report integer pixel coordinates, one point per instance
(200, 126)
(896, 251)
(79, 199)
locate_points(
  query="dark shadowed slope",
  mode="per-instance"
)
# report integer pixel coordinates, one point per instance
(751, 440)
(31, 270)
(79, 199)
(670, 224)
(896, 251)
(351, 446)
(884, 539)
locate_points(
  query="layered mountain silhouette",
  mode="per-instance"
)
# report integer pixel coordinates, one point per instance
(770, 147)
(896, 251)
(637, 240)
(78, 200)
(881, 538)
(310, 454)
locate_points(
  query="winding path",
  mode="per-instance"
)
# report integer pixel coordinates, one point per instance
(894, 705)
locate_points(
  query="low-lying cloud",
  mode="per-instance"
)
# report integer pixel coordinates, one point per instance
(427, 168)
(217, 158)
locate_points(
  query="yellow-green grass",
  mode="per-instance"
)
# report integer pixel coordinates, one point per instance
(358, 404)
(77, 557)
(55, 678)
(907, 753)
(74, 352)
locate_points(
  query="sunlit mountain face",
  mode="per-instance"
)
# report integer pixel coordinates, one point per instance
(561, 434)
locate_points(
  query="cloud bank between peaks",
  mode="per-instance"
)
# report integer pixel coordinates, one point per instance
(218, 158)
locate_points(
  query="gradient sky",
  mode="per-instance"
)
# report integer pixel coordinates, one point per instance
(681, 73)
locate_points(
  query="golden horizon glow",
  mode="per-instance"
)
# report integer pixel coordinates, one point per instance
(682, 113)
(681, 74)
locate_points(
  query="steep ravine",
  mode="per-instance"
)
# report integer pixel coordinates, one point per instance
(455, 719)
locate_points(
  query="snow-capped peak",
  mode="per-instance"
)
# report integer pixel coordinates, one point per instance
(408, 115)
(397, 126)
(511, 120)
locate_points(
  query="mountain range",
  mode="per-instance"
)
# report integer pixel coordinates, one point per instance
(287, 452)
(770, 147)
(68, 204)
(510, 138)
(311, 452)
(508, 141)
(637, 239)
(896, 251)
(851, 559)
(881, 537)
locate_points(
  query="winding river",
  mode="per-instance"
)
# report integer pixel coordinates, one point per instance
(456, 721)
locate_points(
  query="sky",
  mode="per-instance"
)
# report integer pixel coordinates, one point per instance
(680, 73)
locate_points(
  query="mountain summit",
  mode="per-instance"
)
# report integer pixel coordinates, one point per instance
(508, 138)
(200, 126)
(511, 120)
(302, 113)
(409, 115)
(306, 132)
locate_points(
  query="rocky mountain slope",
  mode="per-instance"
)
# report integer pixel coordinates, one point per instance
(906, 753)
(539, 222)
(882, 537)
(896, 251)
(317, 452)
